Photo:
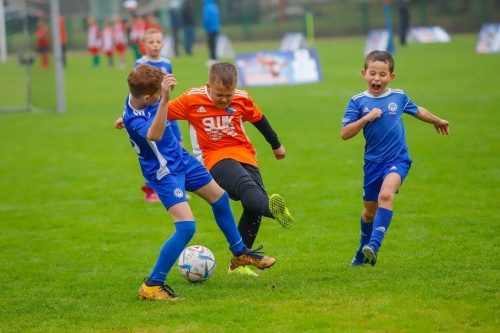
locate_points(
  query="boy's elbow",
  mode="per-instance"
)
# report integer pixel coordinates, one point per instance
(153, 137)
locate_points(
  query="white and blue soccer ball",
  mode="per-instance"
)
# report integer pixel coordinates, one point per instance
(196, 263)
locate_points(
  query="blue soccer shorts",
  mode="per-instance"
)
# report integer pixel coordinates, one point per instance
(171, 189)
(375, 173)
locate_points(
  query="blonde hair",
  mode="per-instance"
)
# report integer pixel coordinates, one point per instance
(149, 32)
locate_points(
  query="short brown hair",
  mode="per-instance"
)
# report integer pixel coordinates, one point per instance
(144, 80)
(223, 72)
(382, 56)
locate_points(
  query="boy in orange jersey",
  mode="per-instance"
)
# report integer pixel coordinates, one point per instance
(216, 113)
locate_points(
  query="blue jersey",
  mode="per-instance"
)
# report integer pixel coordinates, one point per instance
(157, 159)
(163, 63)
(385, 137)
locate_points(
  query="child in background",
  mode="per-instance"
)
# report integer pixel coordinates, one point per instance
(151, 22)
(137, 29)
(94, 42)
(171, 170)
(43, 41)
(378, 111)
(108, 42)
(120, 33)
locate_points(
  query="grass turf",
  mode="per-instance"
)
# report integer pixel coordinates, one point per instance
(77, 237)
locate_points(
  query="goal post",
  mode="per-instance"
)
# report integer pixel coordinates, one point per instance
(44, 89)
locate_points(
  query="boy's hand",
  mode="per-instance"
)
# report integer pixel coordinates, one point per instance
(442, 127)
(119, 123)
(279, 153)
(167, 84)
(375, 113)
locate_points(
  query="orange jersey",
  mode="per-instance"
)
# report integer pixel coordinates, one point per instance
(217, 134)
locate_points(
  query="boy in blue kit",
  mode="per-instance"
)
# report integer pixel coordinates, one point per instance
(153, 43)
(171, 170)
(378, 112)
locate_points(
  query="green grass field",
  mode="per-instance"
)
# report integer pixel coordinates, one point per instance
(77, 237)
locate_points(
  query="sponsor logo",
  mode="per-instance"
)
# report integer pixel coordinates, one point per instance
(201, 109)
(381, 229)
(219, 127)
(393, 168)
(366, 110)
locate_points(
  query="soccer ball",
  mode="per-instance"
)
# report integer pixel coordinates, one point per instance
(196, 263)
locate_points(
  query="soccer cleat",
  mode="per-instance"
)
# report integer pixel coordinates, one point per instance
(252, 258)
(151, 196)
(356, 262)
(241, 270)
(280, 211)
(157, 293)
(370, 255)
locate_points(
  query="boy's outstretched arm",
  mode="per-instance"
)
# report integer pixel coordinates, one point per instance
(442, 126)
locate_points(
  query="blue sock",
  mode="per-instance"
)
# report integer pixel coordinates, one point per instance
(380, 225)
(366, 234)
(170, 251)
(225, 220)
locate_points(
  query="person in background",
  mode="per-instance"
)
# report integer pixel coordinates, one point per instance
(175, 23)
(94, 41)
(62, 32)
(120, 33)
(136, 31)
(404, 20)
(172, 170)
(151, 22)
(189, 26)
(43, 42)
(211, 24)
(108, 42)
(378, 112)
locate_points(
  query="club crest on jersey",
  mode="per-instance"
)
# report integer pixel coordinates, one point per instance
(178, 193)
(393, 107)
(230, 110)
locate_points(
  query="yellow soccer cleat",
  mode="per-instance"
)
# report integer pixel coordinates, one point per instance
(241, 270)
(252, 258)
(280, 211)
(158, 293)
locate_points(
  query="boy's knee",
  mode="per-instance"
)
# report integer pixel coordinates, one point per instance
(385, 196)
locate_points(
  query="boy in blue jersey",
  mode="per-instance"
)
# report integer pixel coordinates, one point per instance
(171, 170)
(153, 43)
(378, 112)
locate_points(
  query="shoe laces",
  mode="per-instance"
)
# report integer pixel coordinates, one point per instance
(168, 290)
(256, 254)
